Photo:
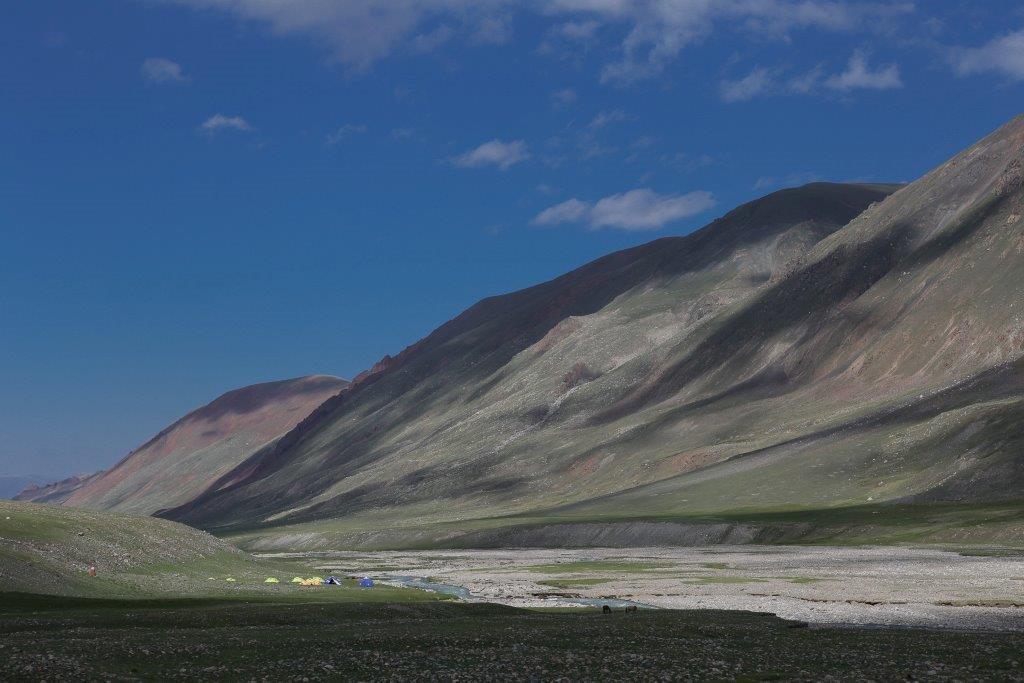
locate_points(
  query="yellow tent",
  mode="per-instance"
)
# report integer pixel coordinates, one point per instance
(271, 579)
(229, 579)
(298, 579)
(312, 582)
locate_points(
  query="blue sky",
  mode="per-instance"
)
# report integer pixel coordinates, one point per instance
(196, 195)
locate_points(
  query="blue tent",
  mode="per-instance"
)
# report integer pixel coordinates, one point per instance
(366, 582)
(332, 581)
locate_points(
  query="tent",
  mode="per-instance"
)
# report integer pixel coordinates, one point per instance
(297, 579)
(366, 582)
(271, 579)
(229, 579)
(332, 581)
(312, 582)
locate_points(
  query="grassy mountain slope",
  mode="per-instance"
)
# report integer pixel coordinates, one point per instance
(464, 422)
(145, 562)
(181, 461)
(902, 344)
(47, 549)
(800, 353)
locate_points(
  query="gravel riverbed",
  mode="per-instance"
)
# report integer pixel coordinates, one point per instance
(885, 586)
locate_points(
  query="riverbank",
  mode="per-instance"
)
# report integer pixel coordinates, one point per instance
(890, 586)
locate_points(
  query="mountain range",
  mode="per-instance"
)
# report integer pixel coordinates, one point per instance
(826, 347)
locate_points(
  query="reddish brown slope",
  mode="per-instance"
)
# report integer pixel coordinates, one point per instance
(58, 491)
(181, 461)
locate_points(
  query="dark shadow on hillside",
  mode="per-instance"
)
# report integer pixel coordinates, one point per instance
(808, 298)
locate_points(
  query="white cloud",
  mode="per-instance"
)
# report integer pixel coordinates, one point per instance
(579, 30)
(569, 211)
(561, 99)
(758, 82)
(641, 209)
(859, 76)
(645, 210)
(805, 83)
(344, 132)
(219, 122)
(161, 70)
(494, 153)
(658, 31)
(359, 33)
(608, 117)
(768, 82)
(430, 41)
(1003, 55)
(492, 30)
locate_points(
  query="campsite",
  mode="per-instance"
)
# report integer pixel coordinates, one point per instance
(161, 607)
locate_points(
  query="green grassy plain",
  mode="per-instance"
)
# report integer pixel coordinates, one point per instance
(972, 527)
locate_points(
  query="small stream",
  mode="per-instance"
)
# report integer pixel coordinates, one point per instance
(463, 593)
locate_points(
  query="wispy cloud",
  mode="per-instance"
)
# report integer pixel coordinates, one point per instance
(608, 117)
(494, 153)
(564, 98)
(431, 40)
(1003, 56)
(569, 211)
(492, 29)
(769, 82)
(758, 82)
(219, 122)
(658, 31)
(641, 209)
(859, 76)
(579, 30)
(161, 70)
(358, 34)
(343, 132)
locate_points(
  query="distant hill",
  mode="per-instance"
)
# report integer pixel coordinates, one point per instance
(56, 492)
(11, 485)
(183, 460)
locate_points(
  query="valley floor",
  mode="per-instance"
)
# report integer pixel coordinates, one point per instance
(52, 639)
(893, 586)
